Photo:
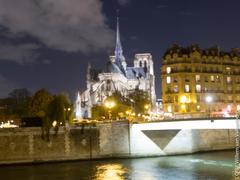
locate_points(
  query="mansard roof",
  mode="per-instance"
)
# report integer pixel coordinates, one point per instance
(212, 51)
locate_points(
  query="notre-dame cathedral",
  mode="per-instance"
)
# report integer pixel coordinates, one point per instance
(116, 77)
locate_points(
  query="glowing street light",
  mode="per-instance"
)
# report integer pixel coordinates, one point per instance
(208, 100)
(109, 105)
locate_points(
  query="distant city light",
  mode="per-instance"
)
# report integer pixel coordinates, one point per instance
(183, 99)
(8, 124)
(209, 99)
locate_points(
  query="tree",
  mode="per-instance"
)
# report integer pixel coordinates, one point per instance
(59, 110)
(18, 102)
(39, 103)
(138, 99)
(58, 107)
(119, 109)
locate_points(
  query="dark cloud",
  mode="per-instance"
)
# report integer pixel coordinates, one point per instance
(68, 25)
(5, 86)
(123, 2)
(46, 61)
(162, 6)
(133, 37)
(21, 53)
(186, 13)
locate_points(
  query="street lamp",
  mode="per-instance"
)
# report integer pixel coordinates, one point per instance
(208, 100)
(109, 105)
(67, 114)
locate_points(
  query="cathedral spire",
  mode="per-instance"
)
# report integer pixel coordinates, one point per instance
(118, 47)
(119, 58)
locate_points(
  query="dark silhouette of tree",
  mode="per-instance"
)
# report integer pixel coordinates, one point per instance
(59, 110)
(39, 103)
(138, 99)
(17, 102)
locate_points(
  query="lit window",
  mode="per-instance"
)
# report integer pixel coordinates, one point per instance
(187, 88)
(238, 108)
(183, 99)
(175, 88)
(229, 79)
(168, 70)
(229, 108)
(197, 78)
(169, 108)
(212, 78)
(198, 88)
(168, 79)
(217, 78)
(228, 68)
(198, 108)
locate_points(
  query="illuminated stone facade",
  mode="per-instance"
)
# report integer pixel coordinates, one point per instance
(118, 76)
(200, 82)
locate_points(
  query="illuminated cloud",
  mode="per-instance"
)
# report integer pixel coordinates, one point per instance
(68, 25)
(21, 53)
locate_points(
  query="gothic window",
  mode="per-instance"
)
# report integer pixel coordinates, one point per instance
(140, 64)
(108, 88)
(145, 63)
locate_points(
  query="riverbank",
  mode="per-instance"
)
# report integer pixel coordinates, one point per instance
(116, 140)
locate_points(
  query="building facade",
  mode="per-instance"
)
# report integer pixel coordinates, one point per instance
(117, 76)
(200, 82)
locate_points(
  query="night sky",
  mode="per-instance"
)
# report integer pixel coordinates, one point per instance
(48, 43)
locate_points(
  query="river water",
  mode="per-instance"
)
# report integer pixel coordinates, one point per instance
(207, 166)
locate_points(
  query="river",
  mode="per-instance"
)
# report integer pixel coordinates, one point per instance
(207, 166)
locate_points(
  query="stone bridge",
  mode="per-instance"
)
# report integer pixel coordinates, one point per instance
(182, 136)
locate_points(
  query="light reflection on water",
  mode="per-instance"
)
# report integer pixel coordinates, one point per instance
(110, 172)
(210, 166)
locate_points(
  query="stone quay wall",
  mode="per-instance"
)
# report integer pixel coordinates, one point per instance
(119, 139)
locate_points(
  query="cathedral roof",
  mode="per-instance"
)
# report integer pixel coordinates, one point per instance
(134, 73)
(113, 68)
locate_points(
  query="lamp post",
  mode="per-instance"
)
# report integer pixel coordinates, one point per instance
(67, 113)
(109, 105)
(208, 100)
